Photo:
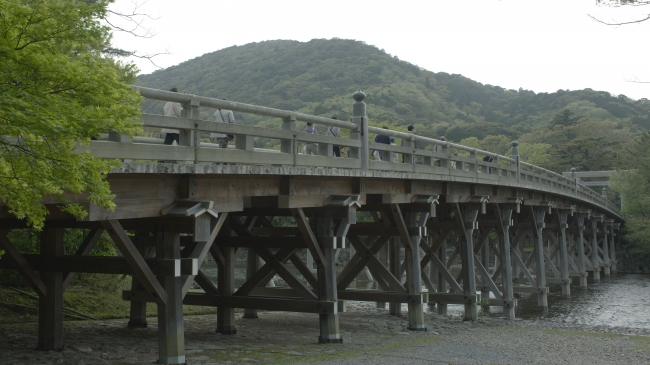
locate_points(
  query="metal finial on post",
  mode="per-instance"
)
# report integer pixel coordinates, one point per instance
(603, 193)
(514, 153)
(359, 107)
(515, 150)
(359, 118)
(573, 172)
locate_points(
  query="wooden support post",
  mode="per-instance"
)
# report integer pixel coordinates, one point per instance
(505, 219)
(252, 265)
(562, 216)
(442, 282)
(395, 250)
(50, 305)
(540, 266)
(327, 289)
(582, 266)
(485, 259)
(466, 220)
(432, 269)
(414, 273)
(612, 250)
(138, 310)
(606, 260)
(171, 337)
(226, 285)
(383, 258)
(594, 251)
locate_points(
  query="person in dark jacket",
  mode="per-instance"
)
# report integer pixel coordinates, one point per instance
(381, 138)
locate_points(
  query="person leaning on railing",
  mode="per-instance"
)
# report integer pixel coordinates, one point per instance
(222, 116)
(172, 109)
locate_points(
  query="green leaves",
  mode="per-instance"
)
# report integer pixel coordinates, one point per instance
(57, 90)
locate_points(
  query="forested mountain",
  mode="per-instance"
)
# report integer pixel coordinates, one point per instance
(582, 128)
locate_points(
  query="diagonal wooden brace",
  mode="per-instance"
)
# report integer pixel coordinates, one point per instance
(23, 267)
(135, 260)
(309, 237)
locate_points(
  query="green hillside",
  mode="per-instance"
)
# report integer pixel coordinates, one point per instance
(583, 128)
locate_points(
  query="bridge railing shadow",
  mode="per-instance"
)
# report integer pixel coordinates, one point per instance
(419, 155)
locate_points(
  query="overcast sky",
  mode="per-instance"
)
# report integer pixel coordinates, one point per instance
(540, 45)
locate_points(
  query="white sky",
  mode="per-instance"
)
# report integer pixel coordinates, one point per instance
(540, 45)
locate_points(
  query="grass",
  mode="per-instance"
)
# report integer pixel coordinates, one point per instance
(95, 302)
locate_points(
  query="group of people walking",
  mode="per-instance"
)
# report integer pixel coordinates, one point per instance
(172, 136)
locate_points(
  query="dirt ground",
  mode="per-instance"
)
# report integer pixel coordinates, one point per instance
(370, 336)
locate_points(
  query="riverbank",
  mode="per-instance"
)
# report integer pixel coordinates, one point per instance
(370, 335)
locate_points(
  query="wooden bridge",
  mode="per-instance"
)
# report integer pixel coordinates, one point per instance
(437, 229)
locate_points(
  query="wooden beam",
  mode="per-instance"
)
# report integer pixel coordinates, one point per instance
(23, 267)
(309, 237)
(135, 260)
(84, 249)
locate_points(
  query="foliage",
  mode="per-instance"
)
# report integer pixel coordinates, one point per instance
(634, 186)
(57, 91)
(318, 77)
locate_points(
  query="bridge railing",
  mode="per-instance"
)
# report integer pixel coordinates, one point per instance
(418, 155)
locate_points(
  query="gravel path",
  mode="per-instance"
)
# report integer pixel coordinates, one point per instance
(370, 337)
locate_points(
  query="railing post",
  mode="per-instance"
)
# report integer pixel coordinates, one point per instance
(288, 145)
(575, 181)
(359, 118)
(514, 153)
(190, 137)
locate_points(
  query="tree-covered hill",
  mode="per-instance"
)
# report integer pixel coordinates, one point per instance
(318, 77)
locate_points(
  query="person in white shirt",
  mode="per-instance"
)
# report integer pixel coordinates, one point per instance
(172, 109)
(222, 116)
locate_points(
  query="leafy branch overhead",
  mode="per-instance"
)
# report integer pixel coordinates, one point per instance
(58, 90)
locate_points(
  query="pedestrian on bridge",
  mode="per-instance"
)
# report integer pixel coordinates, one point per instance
(311, 148)
(381, 138)
(335, 132)
(172, 109)
(222, 116)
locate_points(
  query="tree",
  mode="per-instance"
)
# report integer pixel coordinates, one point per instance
(634, 187)
(58, 90)
(564, 118)
(585, 154)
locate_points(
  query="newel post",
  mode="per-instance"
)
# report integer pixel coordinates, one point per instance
(514, 153)
(575, 180)
(361, 120)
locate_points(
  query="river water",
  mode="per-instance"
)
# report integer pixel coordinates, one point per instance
(621, 300)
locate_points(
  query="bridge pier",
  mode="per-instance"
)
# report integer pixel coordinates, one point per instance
(504, 219)
(138, 309)
(537, 215)
(595, 261)
(582, 260)
(562, 216)
(605, 248)
(466, 220)
(171, 338)
(612, 248)
(50, 304)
